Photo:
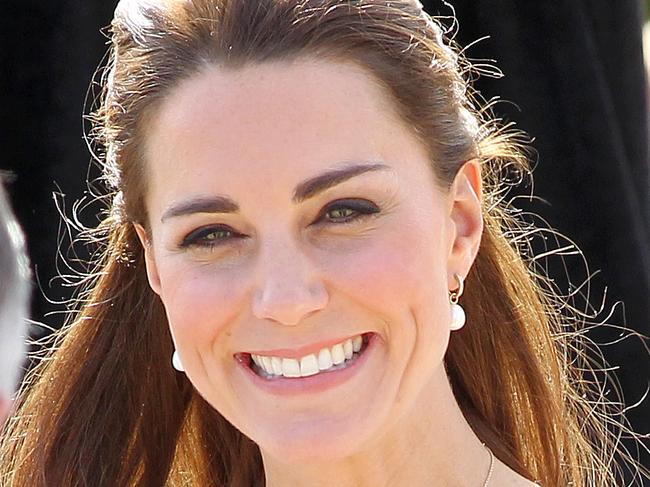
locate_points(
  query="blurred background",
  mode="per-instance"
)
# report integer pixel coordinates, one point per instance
(574, 80)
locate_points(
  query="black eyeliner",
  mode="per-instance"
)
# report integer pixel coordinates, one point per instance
(361, 206)
(195, 235)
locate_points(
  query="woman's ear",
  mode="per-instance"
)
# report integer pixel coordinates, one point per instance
(149, 258)
(467, 220)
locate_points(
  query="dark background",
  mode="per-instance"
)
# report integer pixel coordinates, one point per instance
(574, 80)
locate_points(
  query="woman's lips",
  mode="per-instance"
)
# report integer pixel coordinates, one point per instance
(280, 385)
(298, 352)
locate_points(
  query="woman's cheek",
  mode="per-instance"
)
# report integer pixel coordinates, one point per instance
(401, 279)
(200, 301)
(391, 270)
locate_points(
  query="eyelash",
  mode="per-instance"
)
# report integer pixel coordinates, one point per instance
(361, 209)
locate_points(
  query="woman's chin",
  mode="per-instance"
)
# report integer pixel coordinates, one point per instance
(314, 442)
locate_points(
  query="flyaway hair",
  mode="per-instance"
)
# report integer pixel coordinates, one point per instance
(105, 408)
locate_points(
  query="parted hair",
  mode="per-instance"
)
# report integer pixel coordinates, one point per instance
(106, 409)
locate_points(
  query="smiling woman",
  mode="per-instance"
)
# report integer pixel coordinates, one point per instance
(302, 191)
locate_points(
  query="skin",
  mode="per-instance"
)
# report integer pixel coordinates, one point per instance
(4, 408)
(291, 274)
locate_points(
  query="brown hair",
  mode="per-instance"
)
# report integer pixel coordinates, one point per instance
(106, 408)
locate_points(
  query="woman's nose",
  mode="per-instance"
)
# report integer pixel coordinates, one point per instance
(289, 287)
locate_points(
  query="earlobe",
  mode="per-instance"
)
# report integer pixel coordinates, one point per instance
(150, 261)
(466, 216)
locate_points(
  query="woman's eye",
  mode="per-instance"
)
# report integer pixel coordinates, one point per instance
(339, 213)
(208, 237)
(345, 211)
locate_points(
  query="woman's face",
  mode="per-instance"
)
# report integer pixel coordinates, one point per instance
(290, 211)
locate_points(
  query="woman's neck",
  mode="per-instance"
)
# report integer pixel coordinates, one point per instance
(430, 444)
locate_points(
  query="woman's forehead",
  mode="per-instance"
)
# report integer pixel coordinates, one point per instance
(280, 122)
(305, 96)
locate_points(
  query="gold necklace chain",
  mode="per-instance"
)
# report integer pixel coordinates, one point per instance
(489, 475)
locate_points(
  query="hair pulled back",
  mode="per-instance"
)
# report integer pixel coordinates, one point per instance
(106, 408)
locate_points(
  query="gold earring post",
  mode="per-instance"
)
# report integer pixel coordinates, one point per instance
(458, 292)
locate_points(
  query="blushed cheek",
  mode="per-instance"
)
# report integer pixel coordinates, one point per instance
(394, 274)
(200, 302)
(401, 280)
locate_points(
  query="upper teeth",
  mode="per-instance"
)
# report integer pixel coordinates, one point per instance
(309, 364)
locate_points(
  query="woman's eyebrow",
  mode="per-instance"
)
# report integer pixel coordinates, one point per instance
(200, 204)
(305, 190)
(313, 186)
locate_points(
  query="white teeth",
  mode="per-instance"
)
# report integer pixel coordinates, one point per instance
(347, 349)
(338, 355)
(257, 360)
(267, 365)
(290, 367)
(309, 365)
(277, 365)
(324, 359)
(327, 358)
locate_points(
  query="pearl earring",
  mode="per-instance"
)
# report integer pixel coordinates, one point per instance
(457, 311)
(176, 362)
